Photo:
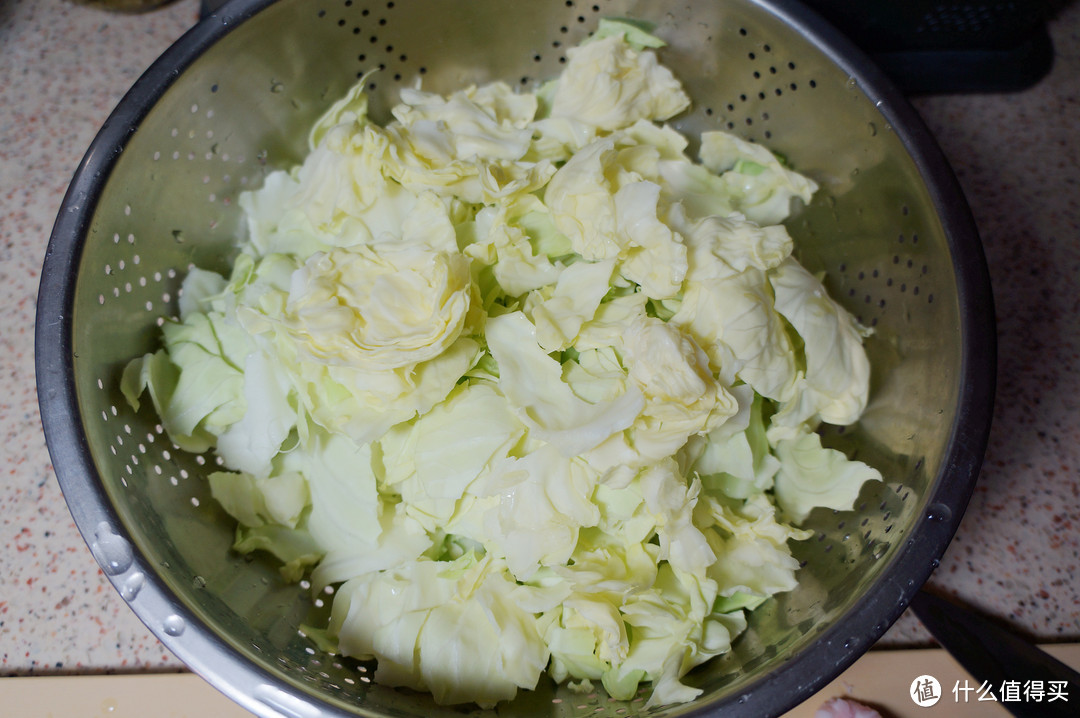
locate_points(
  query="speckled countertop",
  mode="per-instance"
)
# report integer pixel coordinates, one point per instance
(1017, 553)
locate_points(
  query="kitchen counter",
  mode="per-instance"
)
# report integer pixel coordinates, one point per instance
(1016, 556)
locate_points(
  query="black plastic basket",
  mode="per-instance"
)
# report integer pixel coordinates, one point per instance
(937, 46)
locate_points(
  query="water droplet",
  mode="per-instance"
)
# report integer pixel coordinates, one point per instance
(131, 586)
(173, 625)
(277, 87)
(850, 642)
(198, 582)
(112, 552)
(851, 83)
(938, 512)
(873, 129)
(879, 550)
(935, 563)
(109, 705)
(855, 172)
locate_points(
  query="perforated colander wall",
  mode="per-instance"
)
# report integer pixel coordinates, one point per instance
(243, 107)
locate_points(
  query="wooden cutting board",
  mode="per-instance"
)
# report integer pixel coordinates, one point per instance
(880, 678)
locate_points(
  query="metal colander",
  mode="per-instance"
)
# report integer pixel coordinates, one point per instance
(233, 99)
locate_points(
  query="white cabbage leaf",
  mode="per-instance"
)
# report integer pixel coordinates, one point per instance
(518, 240)
(433, 461)
(735, 321)
(759, 185)
(543, 499)
(457, 629)
(811, 475)
(737, 464)
(750, 543)
(573, 301)
(608, 84)
(532, 381)
(196, 382)
(681, 396)
(278, 499)
(835, 387)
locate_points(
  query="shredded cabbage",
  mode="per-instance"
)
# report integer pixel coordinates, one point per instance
(532, 388)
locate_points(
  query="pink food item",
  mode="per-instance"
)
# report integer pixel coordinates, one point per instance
(845, 708)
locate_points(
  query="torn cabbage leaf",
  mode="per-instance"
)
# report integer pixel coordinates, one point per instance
(460, 629)
(532, 383)
(836, 383)
(529, 388)
(759, 186)
(607, 84)
(811, 475)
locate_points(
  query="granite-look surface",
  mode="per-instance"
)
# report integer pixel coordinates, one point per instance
(1017, 552)
(63, 68)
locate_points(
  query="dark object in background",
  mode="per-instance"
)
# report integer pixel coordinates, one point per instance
(949, 46)
(994, 655)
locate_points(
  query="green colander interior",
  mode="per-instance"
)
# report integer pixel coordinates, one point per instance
(240, 107)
